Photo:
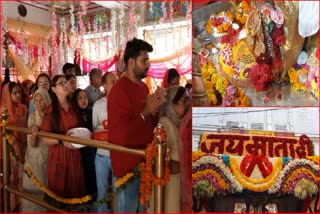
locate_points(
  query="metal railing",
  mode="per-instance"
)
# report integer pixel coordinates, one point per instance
(7, 189)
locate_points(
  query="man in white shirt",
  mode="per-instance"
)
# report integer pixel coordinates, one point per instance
(103, 160)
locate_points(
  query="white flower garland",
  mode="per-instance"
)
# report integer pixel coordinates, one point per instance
(218, 162)
(63, 41)
(121, 26)
(132, 22)
(171, 12)
(113, 27)
(189, 18)
(72, 20)
(53, 40)
(291, 164)
(83, 5)
(137, 23)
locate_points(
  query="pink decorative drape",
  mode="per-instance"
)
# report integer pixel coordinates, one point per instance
(158, 70)
(104, 65)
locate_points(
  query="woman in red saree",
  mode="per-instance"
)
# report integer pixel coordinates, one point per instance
(11, 100)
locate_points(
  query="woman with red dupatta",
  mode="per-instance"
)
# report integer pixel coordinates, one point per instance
(171, 78)
(11, 99)
(65, 170)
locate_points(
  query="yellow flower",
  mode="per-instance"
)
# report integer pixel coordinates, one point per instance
(245, 101)
(211, 69)
(228, 70)
(209, 27)
(209, 84)
(214, 78)
(213, 99)
(197, 154)
(205, 74)
(293, 75)
(124, 179)
(242, 76)
(53, 195)
(221, 86)
(257, 185)
(222, 183)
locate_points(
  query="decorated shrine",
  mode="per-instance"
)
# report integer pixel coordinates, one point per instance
(254, 173)
(257, 53)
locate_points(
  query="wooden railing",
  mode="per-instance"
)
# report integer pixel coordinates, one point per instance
(7, 189)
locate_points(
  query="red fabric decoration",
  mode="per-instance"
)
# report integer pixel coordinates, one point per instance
(250, 161)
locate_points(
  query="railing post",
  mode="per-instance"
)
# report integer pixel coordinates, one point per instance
(159, 172)
(5, 163)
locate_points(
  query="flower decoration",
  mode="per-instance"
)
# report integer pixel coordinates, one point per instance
(278, 36)
(277, 16)
(261, 77)
(294, 75)
(242, 12)
(231, 37)
(222, 85)
(147, 176)
(43, 188)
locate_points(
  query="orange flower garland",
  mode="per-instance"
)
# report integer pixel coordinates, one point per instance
(43, 188)
(242, 12)
(147, 176)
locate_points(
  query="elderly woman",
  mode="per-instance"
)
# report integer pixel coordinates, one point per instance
(37, 153)
(42, 81)
(171, 114)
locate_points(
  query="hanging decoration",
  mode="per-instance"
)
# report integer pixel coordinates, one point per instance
(63, 42)
(104, 65)
(189, 17)
(151, 7)
(164, 12)
(72, 20)
(132, 22)
(83, 5)
(113, 27)
(40, 54)
(138, 18)
(71, 39)
(171, 12)
(54, 40)
(121, 29)
(3, 31)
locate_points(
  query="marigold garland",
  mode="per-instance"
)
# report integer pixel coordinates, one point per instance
(296, 85)
(147, 176)
(81, 200)
(197, 154)
(295, 175)
(124, 179)
(242, 12)
(222, 182)
(258, 185)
